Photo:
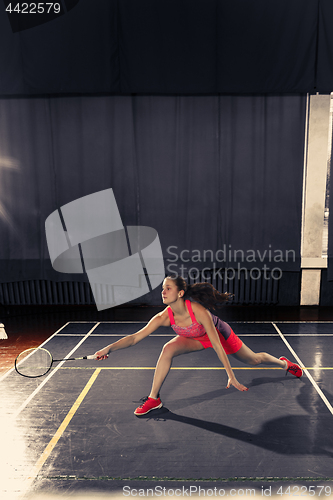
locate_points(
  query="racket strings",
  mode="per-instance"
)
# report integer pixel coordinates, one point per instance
(33, 362)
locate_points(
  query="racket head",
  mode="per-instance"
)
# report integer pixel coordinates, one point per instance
(34, 362)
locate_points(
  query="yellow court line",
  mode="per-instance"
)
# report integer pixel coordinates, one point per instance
(48, 450)
(191, 368)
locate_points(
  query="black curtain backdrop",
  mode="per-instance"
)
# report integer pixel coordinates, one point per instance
(324, 69)
(207, 172)
(169, 47)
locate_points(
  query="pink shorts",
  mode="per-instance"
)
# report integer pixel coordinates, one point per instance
(231, 345)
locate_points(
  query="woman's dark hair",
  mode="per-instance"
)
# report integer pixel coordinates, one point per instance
(204, 293)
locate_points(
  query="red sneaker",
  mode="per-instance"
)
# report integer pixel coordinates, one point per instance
(293, 368)
(148, 405)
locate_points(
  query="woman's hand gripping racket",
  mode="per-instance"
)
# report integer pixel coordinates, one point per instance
(37, 362)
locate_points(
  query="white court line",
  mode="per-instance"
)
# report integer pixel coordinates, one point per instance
(308, 334)
(71, 334)
(285, 334)
(107, 322)
(313, 382)
(45, 342)
(319, 321)
(32, 395)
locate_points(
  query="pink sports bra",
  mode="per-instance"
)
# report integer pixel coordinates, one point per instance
(193, 331)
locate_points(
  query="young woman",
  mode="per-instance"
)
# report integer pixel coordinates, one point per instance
(196, 329)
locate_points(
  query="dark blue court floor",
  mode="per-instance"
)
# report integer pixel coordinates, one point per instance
(74, 429)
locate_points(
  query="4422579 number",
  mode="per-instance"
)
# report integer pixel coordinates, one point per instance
(301, 491)
(34, 8)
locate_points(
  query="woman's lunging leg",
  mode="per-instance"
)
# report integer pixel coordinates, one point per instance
(161, 371)
(175, 347)
(257, 358)
(246, 355)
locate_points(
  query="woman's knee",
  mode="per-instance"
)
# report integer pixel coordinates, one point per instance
(169, 350)
(178, 346)
(258, 358)
(252, 359)
(255, 359)
(247, 356)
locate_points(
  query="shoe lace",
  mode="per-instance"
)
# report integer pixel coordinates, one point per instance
(142, 401)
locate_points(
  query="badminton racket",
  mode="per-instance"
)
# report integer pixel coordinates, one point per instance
(36, 362)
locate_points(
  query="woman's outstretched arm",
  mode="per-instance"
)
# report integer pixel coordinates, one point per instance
(160, 319)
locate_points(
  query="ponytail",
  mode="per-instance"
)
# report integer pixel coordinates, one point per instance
(204, 293)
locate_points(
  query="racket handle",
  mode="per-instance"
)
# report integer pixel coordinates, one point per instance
(92, 356)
